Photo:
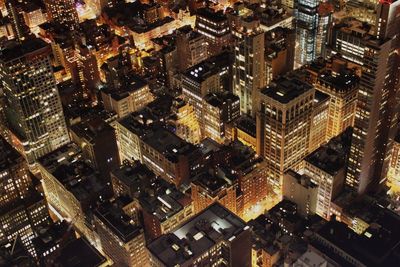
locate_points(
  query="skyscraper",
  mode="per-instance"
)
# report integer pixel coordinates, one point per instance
(306, 32)
(14, 9)
(63, 12)
(377, 105)
(33, 107)
(248, 68)
(283, 125)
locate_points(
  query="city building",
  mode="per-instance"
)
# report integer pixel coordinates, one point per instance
(248, 67)
(63, 12)
(214, 26)
(197, 82)
(208, 188)
(283, 125)
(33, 109)
(16, 13)
(394, 167)
(245, 131)
(319, 121)
(375, 124)
(72, 187)
(191, 47)
(375, 246)
(301, 190)
(342, 88)
(215, 236)
(133, 95)
(88, 72)
(326, 167)
(98, 143)
(185, 121)
(218, 110)
(121, 239)
(325, 14)
(22, 209)
(168, 155)
(306, 31)
(279, 52)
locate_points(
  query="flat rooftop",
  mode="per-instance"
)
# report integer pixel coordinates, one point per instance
(80, 253)
(341, 82)
(27, 47)
(67, 165)
(167, 143)
(286, 88)
(198, 235)
(332, 156)
(219, 99)
(117, 221)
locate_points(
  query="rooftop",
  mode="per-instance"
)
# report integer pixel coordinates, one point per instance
(377, 246)
(167, 143)
(219, 99)
(247, 124)
(211, 15)
(198, 235)
(117, 221)
(286, 88)
(17, 50)
(80, 253)
(342, 82)
(89, 130)
(67, 165)
(332, 156)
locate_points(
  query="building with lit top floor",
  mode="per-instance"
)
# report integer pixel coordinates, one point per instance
(214, 26)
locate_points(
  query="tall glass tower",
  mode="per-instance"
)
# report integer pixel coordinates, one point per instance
(33, 109)
(306, 32)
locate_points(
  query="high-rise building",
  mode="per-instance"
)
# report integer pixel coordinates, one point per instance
(63, 12)
(342, 87)
(33, 106)
(279, 52)
(88, 72)
(22, 209)
(197, 82)
(218, 110)
(283, 125)
(377, 103)
(191, 47)
(15, 11)
(186, 124)
(15, 180)
(248, 67)
(307, 28)
(319, 121)
(72, 188)
(214, 26)
(325, 11)
(394, 167)
(224, 240)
